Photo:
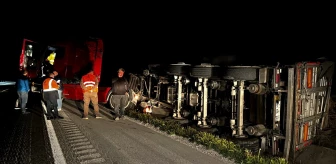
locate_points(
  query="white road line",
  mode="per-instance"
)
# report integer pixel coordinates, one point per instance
(55, 146)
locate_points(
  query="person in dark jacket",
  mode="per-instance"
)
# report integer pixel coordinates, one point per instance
(22, 91)
(119, 94)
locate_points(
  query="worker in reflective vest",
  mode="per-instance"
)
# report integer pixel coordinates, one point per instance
(89, 84)
(50, 95)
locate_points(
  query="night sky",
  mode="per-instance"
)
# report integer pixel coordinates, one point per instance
(133, 40)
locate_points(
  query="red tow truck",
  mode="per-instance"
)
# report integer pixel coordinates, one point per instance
(71, 59)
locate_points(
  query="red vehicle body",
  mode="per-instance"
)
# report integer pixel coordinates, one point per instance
(70, 59)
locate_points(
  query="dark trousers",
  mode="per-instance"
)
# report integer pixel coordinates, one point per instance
(50, 98)
(52, 105)
(119, 102)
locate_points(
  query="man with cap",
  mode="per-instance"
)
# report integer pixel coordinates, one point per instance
(119, 94)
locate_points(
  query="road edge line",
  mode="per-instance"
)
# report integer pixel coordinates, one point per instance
(55, 146)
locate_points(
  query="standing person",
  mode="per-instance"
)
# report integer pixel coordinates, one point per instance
(22, 91)
(18, 75)
(89, 84)
(60, 90)
(50, 95)
(119, 94)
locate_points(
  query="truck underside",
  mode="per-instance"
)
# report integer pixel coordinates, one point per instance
(277, 110)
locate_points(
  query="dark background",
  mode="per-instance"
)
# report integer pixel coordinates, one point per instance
(165, 37)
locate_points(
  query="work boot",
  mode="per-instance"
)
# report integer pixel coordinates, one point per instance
(50, 117)
(59, 117)
(25, 112)
(85, 117)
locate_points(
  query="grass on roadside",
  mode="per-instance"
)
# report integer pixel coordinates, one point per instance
(226, 148)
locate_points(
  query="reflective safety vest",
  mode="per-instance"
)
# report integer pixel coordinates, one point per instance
(89, 82)
(49, 84)
(51, 58)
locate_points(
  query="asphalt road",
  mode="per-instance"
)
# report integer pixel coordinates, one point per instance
(125, 141)
(23, 138)
(33, 139)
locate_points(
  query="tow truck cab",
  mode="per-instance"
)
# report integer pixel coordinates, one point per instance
(71, 59)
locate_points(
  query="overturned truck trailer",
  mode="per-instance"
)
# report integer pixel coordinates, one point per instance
(276, 109)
